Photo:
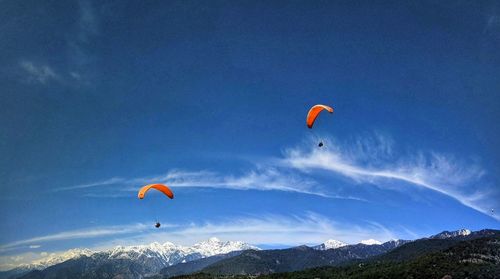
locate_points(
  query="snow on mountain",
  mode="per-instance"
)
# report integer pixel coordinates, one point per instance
(53, 259)
(448, 234)
(330, 244)
(214, 247)
(154, 255)
(370, 242)
(159, 255)
(391, 244)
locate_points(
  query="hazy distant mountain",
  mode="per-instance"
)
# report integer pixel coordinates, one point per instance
(46, 262)
(59, 258)
(136, 261)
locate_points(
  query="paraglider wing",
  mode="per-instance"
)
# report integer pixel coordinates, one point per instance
(160, 187)
(314, 112)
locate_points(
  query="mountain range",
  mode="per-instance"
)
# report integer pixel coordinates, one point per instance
(453, 256)
(252, 262)
(330, 244)
(217, 258)
(151, 258)
(457, 252)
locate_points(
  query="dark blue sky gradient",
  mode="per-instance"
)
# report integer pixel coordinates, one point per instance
(141, 88)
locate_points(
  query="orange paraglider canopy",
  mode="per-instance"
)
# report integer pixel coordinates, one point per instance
(314, 112)
(160, 187)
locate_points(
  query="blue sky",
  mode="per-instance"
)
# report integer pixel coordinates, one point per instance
(99, 99)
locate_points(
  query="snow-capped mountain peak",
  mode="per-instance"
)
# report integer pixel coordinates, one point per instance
(370, 241)
(155, 254)
(448, 234)
(214, 246)
(55, 258)
(397, 241)
(330, 244)
(393, 243)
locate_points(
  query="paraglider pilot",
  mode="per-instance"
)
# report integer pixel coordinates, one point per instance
(160, 187)
(313, 114)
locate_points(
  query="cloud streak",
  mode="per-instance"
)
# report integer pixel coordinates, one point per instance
(309, 228)
(269, 179)
(110, 181)
(290, 230)
(74, 234)
(80, 46)
(39, 73)
(260, 179)
(373, 161)
(370, 159)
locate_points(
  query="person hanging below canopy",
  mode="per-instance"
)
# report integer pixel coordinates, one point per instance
(313, 114)
(159, 187)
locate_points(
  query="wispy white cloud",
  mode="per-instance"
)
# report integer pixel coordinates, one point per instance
(34, 246)
(17, 258)
(76, 76)
(373, 160)
(110, 181)
(290, 230)
(88, 23)
(261, 179)
(268, 179)
(492, 24)
(12, 261)
(80, 43)
(38, 72)
(310, 228)
(75, 234)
